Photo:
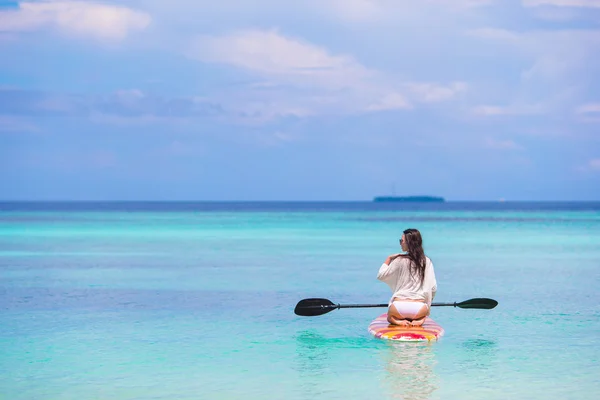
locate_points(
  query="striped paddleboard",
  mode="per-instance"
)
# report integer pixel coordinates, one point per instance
(428, 332)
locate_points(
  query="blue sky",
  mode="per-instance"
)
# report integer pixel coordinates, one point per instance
(310, 100)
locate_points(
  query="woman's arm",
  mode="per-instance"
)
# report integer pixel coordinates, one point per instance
(387, 268)
(391, 258)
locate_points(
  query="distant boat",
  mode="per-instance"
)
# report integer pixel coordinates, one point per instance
(411, 199)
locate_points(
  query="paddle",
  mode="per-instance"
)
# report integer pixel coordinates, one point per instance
(313, 307)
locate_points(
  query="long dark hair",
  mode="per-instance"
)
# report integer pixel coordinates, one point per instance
(416, 254)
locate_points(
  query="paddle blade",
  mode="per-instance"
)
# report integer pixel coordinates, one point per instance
(481, 303)
(313, 307)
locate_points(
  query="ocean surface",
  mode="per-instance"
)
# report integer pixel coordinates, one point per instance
(195, 301)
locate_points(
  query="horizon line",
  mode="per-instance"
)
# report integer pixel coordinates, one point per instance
(284, 201)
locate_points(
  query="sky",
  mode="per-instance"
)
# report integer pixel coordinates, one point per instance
(315, 100)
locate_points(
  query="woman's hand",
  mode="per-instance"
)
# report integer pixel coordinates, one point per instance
(391, 258)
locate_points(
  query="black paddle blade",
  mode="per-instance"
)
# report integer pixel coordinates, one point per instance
(481, 303)
(313, 307)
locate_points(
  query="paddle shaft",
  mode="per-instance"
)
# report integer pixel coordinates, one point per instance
(378, 305)
(358, 305)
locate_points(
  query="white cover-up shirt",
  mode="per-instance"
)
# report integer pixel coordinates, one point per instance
(405, 286)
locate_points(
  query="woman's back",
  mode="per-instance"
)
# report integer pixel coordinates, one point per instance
(406, 283)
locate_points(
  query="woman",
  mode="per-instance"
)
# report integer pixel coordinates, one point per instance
(412, 280)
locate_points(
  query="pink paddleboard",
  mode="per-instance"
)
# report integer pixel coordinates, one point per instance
(428, 332)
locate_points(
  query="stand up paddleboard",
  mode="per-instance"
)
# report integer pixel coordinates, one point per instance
(430, 331)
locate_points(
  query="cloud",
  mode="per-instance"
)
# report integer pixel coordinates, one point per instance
(287, 59)
(301, 79)
(563, 10)
(556, 67)
(11, 124)
(119, 107)
(553, 53)
(77, 18)
(361, 11)
(392, 101)
(18, 102)
(588, 112)
(592, 166)
(356, 10)
(592, 108)
(492, 143)
(134, 103)
(495, 34)
(432, 92)
(348, 13)
(275, 139)
(562, 3)
(523, 109)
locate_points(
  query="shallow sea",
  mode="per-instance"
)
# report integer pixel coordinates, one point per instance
(195, 301)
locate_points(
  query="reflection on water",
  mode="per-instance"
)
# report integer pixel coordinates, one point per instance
(320, 362)
(479, 354)
(312, 352)
(315, 350)
(409, 370)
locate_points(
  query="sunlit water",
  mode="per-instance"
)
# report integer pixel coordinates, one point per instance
(172, 301)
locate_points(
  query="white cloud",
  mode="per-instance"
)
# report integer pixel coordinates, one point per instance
(122, 107)
(356, 10)
(555, 69)
(128, 98)
(100, 21)
(359, 11)
(137, 120)
(299, 78)
(346, 12)
(255, 109)
(495, 144)
(392, 101)
(495, 34)
(562, 3)
(432, 92)
(10, 124)
(561, 10)
(272, 54)
(589, 113)
(553, 53)
(594, 164)
(490, 110)
(515, 109)
(591, 108)
(274, 139)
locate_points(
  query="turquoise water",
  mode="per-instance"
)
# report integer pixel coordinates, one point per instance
(186, 302)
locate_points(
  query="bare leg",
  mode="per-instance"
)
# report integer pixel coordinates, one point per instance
(417, 322)
(395, 318)
(396, 321)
